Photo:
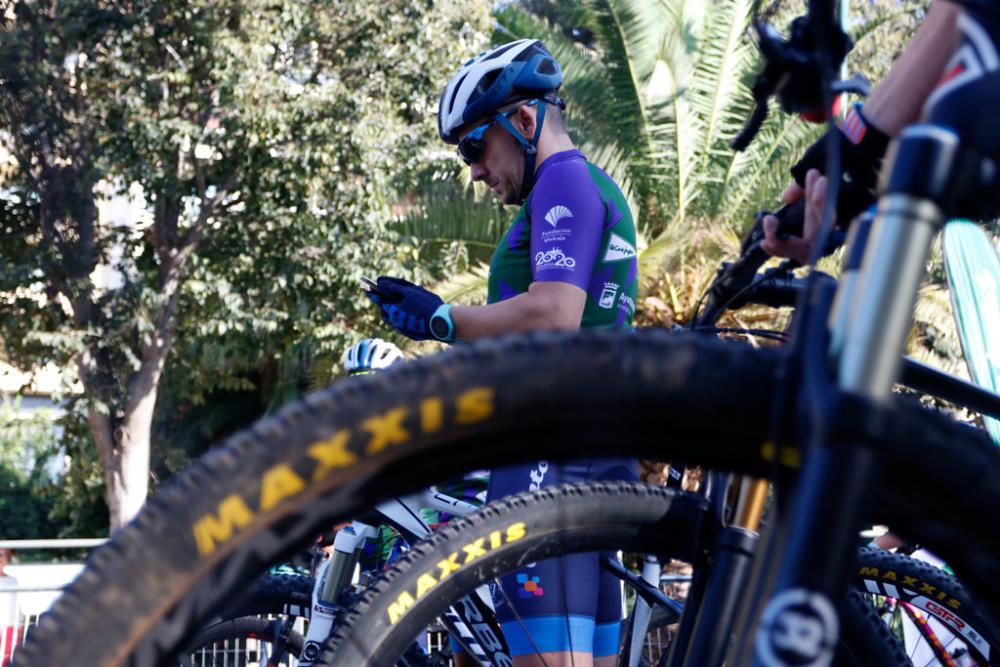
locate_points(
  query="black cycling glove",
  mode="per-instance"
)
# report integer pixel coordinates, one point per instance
(862, 147)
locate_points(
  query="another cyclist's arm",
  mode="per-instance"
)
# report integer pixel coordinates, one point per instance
(899, 97)
(545, 306)
(895, 103)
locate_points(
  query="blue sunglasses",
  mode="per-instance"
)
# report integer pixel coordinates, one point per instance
(472, 146)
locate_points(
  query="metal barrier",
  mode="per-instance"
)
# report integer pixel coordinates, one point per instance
(16, 621)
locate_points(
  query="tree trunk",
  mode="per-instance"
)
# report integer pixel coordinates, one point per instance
(123, 446)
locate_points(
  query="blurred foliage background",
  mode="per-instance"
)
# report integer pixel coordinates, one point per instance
(276, 151)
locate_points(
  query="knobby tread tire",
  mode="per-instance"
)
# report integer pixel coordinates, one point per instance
(557, 395)
(935, 592)
(519, 529)
(241, 629)
(287, 594)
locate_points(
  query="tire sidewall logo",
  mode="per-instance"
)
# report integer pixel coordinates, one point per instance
(799, 628)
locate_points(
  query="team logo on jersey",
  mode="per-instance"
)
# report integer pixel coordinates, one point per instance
(607, 299)
(557, 213)
(529, 587)
(557, 235)
(553, 259)
(626, 303)
(618, 249)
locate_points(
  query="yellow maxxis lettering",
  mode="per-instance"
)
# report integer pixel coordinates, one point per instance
(425, 583)
(474, 550)
(448, 565)
(910, 583)
(474, 406)
(332, 454)
(210, 531)
(399, 608)
(516, 531)
(386, 430)
(495, 539)
(431, 415)
(279, 483)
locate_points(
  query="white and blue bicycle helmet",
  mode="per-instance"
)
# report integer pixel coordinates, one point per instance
(523, 70)
(370, 354)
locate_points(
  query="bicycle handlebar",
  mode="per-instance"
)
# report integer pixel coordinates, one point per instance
(734, 279)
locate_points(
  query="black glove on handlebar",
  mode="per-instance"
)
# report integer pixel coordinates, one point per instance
(862, 147)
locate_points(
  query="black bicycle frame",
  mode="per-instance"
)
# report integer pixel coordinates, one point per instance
(840, 404)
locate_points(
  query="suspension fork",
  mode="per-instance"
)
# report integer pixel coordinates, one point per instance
(720, 580)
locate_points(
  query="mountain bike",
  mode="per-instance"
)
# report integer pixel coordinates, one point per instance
(775, 413)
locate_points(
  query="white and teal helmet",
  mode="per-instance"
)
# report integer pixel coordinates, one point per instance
(370, 354)
(521, 70)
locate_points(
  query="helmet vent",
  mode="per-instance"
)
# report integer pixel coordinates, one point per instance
(496, 53)
(546, 66)
(454, 91)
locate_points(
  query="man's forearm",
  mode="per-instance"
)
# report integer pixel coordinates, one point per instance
(524, 312)
(897, 100)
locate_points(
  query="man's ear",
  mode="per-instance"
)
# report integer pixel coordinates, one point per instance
(526, 116)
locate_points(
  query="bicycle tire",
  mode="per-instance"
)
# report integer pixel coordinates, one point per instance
(268, 490)
(284, 594)
(551, 522)
(936, 593)
(237, 630)
(928, 588)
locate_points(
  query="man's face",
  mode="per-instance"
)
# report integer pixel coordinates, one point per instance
(501, 165)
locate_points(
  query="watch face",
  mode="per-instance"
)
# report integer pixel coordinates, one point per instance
(439, 327)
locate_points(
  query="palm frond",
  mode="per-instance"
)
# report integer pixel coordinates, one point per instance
(466, 288)
(452, 222)
(719, 92)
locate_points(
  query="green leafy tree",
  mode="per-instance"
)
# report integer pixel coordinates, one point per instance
(27, 441)
(258, 140)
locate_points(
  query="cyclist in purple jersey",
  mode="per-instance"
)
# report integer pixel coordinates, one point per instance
(568, 261)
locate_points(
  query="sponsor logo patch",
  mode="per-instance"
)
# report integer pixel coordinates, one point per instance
(529, 586)
(556, 235)
(553, 259)
(607, 299)
(557, 213)
(618, 249)
(626, 303)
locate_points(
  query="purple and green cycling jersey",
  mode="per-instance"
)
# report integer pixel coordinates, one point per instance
(576, 228)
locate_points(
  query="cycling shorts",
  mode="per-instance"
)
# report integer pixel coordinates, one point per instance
(563, 604)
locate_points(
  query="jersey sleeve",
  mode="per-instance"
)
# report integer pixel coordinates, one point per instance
(567, 219)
